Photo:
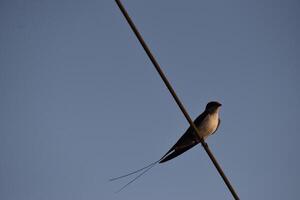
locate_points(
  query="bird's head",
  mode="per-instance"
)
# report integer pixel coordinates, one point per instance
(213, 106)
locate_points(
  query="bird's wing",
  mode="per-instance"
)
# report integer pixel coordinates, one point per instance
(217, 126)
(177, 151)
(200, 118)
(186, 142)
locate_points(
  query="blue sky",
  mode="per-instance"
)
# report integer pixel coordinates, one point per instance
(81, 103)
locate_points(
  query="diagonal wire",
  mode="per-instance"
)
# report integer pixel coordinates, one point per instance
(176, 98)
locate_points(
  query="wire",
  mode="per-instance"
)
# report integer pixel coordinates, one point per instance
(176, 98)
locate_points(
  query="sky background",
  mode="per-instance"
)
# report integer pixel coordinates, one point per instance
(81, 102)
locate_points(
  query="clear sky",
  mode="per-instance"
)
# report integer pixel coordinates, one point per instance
(81, 103)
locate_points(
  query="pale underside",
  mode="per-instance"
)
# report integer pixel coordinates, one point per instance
(209, 125)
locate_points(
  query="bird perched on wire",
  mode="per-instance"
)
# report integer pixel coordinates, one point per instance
(207, 123)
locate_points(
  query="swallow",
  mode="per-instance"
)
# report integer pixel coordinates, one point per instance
(207, 123)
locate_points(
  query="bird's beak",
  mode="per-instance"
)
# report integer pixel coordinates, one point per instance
(220, 104)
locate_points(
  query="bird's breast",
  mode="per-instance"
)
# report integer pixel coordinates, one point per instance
(209, 125)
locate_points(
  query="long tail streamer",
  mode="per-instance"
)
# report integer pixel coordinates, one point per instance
(146, 169)
(138, 176)
(134, 172)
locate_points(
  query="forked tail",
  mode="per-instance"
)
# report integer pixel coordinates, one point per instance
(142, 170)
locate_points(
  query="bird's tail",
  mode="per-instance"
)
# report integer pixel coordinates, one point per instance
(142, 170)
(145, 169)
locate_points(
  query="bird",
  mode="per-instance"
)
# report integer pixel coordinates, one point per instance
(207, 123)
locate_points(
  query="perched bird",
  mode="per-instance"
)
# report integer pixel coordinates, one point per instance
(207, 123)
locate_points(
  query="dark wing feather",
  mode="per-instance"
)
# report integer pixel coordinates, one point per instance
(186, 142)
(177, 152)
(200, 118)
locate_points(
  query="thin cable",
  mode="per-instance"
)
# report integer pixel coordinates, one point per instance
(176, 98)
